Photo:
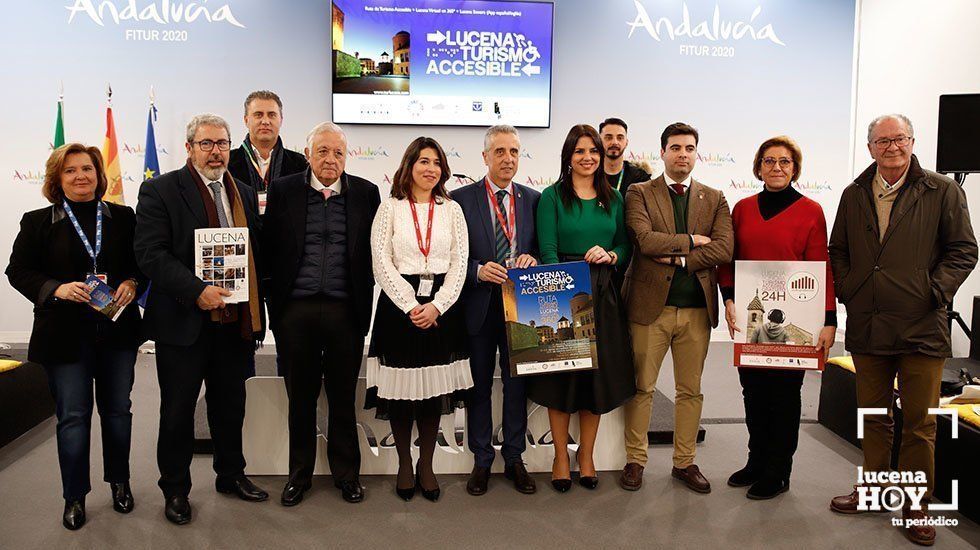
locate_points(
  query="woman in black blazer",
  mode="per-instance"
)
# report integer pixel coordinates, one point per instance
(55, 250)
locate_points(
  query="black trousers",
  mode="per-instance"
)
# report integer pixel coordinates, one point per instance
(321, 346)
(479, 427)
(772, 415)
(218, 358)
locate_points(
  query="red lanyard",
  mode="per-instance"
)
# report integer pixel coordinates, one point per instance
(507, 228)
(423, 248)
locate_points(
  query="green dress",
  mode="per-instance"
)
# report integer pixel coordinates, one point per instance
(566, 234)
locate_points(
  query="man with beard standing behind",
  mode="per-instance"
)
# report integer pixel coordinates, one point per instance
(620, 172)
(198, 337)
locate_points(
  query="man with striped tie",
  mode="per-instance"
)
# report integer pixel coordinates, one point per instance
(500, 220)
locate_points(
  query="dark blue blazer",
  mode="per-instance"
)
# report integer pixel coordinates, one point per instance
(472, 199)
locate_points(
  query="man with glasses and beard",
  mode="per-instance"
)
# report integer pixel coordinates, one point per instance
(620, 172)
(199, 338)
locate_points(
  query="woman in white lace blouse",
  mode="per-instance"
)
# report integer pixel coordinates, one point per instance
(418, 366)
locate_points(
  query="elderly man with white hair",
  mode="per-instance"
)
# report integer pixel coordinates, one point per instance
(901, 246)
(319, 289)
(199, 338)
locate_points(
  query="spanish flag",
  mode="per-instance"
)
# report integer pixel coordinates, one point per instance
(110, 156)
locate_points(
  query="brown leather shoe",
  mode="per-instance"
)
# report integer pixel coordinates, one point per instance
(923, 535)
(848, 504)
(523, 482)
(691, 476)
(632, 478)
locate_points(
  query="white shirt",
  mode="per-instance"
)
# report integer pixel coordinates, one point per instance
(262, 163)
(319, 187)
(395, 248)
(225, 203)
(670, 181)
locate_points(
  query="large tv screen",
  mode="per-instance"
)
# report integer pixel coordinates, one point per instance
(442, 62)
(959, 134)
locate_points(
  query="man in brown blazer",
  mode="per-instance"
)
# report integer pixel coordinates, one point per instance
(681, 231)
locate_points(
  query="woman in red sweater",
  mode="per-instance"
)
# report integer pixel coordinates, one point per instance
(777, 224)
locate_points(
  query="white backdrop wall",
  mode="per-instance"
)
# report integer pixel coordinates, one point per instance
(911, 52)
(598, 71)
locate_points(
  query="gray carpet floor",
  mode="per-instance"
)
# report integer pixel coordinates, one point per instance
(663, 514)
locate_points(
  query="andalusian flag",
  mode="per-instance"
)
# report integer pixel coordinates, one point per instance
(110, 156)
(151, 164)
(59, 124)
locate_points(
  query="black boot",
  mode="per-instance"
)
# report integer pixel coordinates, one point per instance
(122, 497)
(74, 516)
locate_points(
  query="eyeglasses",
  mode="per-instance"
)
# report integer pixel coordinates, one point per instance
(784, 163)
(207, 145)
(885, 143)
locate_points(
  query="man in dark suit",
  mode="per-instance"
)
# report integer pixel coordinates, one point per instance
(500, 219)
(198, 336)
(262, 158)
(320, 289)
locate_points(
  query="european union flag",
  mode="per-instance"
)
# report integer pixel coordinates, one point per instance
(151, 164)
(151, 169)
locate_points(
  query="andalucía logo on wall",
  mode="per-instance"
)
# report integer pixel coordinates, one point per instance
(715, 29)
(367, 153)
(34, 177)
(163, 12)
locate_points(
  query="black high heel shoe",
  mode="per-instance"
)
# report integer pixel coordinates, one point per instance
(589, 482)
(405, 494)
(562, 485)
(432, 495)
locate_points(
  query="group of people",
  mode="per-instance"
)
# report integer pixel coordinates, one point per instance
(660, 252)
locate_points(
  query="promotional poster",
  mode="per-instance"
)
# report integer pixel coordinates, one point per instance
(549, 320)
(221, 259)
(780, 310)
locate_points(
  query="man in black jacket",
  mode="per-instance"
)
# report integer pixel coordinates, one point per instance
(261, 158)
(198, 336)
(901, 246)
(320, 288)
(620, 172)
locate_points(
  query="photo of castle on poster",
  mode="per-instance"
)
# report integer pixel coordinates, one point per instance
(549, 319)
(370, 51)
(780, 308)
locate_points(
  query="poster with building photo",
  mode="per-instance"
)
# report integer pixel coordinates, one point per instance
(780, 309)
(221, 259)
(549, 320)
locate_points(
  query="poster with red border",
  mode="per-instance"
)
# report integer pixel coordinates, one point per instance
(780, 310)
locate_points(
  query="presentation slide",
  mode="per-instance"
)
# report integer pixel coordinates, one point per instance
(442, 62)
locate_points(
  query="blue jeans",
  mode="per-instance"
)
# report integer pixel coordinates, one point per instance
(111, 371)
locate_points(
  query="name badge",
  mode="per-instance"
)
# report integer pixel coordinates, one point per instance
(426, 281)
(104, 277)
(262, 202)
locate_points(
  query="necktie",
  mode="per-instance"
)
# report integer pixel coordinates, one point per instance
(219, 203)
(327, 193)
(503, 243)
(678, 188)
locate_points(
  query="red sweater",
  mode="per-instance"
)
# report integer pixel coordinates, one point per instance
(798, 233)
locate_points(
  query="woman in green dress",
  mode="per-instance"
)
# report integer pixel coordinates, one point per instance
(580, 217)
